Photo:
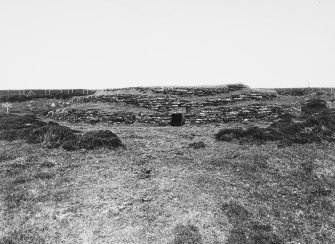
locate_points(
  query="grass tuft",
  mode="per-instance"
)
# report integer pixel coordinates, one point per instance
(100, 138)
(197, 145)
(53, 135)
(44, 175)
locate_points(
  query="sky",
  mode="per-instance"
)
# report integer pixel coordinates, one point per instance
(98, 44)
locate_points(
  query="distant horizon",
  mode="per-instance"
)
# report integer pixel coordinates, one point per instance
(172, 86)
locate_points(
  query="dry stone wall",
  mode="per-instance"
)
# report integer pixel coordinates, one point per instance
(204, 116)
(170, 102)
(193, 91)
(245, 113)
(94, 116)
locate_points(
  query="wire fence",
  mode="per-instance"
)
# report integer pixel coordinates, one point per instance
(46, 93)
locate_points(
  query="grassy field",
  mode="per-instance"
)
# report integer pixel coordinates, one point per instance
(169, 185)
(164, 189)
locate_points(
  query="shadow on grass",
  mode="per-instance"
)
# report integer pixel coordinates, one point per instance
(187, 234)
(5, 157)
(27, 236)
(245, 230)
(44, 175)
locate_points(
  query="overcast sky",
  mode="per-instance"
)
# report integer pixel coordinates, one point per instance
(119, 43)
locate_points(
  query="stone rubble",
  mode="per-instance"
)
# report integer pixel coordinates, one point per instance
(168, 101)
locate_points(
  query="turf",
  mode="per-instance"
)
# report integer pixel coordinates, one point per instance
(161, 190)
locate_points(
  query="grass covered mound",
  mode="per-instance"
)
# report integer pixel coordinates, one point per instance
(316, 124)
(99, 138)
(313, 106)
(53, 135)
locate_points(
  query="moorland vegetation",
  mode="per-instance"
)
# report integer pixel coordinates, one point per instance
(29, 128)
(316, 124)
(189, 184)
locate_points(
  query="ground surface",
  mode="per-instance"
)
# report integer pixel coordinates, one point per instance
(159, 187)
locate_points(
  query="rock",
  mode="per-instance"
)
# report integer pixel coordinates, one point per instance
(122, 207)
(127, 203)
(113, 211)
(147, 199)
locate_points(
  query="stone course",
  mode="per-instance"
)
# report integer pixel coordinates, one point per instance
(168, 101)
(192, 91)
(238, 114)
(94, 116)
(204, 116)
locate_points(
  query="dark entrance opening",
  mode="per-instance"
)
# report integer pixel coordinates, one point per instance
(177, 119)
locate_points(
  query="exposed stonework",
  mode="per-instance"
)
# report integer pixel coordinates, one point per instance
(245, 113)
(204, 116)
(168, 103)
(94, 116)
(165, 101)
(193, 91)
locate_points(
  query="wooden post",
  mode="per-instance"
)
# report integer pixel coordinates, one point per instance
(7, 106)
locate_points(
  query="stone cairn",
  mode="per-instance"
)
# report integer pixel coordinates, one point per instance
(166, 102)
